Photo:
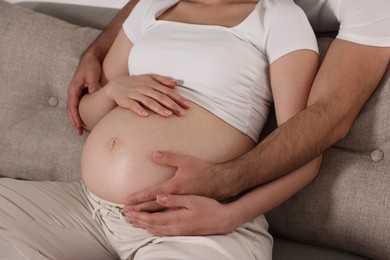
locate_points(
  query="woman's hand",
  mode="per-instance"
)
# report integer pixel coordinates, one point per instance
(153, 92)
(185, 215)
(87, 75)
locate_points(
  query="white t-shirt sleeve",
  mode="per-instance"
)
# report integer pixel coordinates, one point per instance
(288, 30)
(134, 24)
(365, 22)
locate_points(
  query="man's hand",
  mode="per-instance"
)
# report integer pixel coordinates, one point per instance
(193, 177)
(185, 215)
(87, 75)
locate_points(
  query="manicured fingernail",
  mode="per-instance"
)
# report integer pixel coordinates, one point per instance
(162, 198)
(144, 113)
(178, 81)
(167, 112)
(157, 155)
(182, 112)
(187, 103)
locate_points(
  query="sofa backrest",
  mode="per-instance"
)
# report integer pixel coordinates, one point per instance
(38, 56)
(347, 206)
(86, 16)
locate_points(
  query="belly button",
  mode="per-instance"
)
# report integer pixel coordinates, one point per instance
(113, 144)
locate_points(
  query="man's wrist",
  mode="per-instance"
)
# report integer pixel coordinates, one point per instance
(229, 181)
(94, 52)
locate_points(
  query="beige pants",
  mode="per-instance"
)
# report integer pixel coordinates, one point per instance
(56, 220)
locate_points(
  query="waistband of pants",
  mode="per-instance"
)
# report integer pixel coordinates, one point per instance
(102, 206)
(102, 201)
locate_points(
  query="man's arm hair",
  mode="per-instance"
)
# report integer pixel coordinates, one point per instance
(347, 77)
(103, 42)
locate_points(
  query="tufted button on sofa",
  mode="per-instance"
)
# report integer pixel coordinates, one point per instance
(343, 214)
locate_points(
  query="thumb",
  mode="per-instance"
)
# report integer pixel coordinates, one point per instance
(172, 201)
(92, 81)
(93, 86)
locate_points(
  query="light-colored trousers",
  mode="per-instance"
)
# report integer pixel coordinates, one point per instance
(58, 220)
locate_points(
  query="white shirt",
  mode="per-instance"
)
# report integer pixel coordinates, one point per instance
(224, 70)
(360, 21)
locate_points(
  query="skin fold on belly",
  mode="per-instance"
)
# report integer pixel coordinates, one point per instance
(117, 156)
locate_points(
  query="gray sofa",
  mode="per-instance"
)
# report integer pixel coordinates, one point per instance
(343, 214)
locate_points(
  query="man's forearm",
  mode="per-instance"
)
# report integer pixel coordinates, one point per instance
(287, 148)
(347, 78)
(103, 42)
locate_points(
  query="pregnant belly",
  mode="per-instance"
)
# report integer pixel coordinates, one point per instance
(117, 156)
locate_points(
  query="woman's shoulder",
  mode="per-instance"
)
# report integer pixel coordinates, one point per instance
(284, 13)
(287, 7)
(143, 16)
(285, 22)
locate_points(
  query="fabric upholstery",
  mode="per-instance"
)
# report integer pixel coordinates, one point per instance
(347, 207)
(86, 16)
(39, 55)
(348, 204)
(285, 249)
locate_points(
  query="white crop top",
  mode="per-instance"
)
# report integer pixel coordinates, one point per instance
(224, 70)
(360, 21)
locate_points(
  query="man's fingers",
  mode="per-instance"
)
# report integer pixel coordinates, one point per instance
(75, 120)
(92, 88)
(74, 94)
(92, 82)
(170, 159)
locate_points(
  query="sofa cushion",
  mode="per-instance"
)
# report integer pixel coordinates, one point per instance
(39, 55)
(348, 205)
(98, 17)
